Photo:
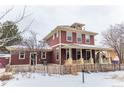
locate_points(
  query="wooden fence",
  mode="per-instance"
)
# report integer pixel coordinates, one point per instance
(65, 69)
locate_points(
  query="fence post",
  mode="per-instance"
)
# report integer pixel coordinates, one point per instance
(114, 67)
(82, 76)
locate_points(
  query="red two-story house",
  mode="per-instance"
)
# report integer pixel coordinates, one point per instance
(73, 44)
(65, 45)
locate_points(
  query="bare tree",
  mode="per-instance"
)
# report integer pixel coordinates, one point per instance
(114, 37)
(6, 39)
(32, 42)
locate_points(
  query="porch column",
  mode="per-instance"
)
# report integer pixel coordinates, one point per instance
(69, 61)
(100, 58)
(91, 58)
(81, 58)
(109, 59)
(60, 55)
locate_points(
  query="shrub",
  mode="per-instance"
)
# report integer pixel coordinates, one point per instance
(5, 77)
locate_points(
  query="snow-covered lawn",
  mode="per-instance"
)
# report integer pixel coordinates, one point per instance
(100, 79)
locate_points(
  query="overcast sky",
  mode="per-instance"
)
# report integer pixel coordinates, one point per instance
(46, 18)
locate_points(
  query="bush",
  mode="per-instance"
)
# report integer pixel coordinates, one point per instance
(6, 77)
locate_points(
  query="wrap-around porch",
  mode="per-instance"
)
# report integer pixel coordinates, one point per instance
(84, 56)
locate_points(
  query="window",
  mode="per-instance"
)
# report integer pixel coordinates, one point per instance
(69, 36)
(87, 54)
(43, 55)
(87, 39)
(79, 38)
(57, 55)
(67, 54)
(78, 54)
(21, 55)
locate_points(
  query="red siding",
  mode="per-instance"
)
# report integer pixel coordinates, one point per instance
(83, 39)
(4, 61)
(54, 56)
(48, 58)
(91, 39)
(15, 58)
(63, 38)
(63, 55)
(16, 61)
(52, 41)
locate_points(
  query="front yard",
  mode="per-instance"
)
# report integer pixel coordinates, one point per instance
(94, 79)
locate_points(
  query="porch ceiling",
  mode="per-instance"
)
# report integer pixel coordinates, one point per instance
(82, 46)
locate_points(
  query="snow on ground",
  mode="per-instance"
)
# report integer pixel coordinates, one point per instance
(100, 79)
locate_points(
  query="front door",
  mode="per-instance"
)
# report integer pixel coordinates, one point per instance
(33, 58)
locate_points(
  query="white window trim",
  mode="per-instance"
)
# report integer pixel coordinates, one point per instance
(80, 37)
(42, 55)
(86, 39)
(67, 37)
(36, 56)
(20, 55)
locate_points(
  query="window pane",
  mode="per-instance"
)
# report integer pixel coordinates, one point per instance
(21, 55)
(69, 36)
(79, 37)
(87, 38)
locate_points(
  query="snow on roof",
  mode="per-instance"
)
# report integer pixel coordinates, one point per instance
(83, 46)
(15, 47)
(5, 55)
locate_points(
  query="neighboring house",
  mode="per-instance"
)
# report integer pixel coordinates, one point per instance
(4, 58)
(65, 45)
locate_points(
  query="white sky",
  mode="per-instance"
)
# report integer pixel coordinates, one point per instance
(96, 18)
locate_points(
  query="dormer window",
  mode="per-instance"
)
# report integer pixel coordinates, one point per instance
(69, 36)
(87, 39)
(79, 38)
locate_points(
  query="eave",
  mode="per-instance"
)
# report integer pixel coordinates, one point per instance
(62, 28)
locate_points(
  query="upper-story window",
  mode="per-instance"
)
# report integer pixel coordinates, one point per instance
(87, 39)
(79, 38)
(69, 36)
